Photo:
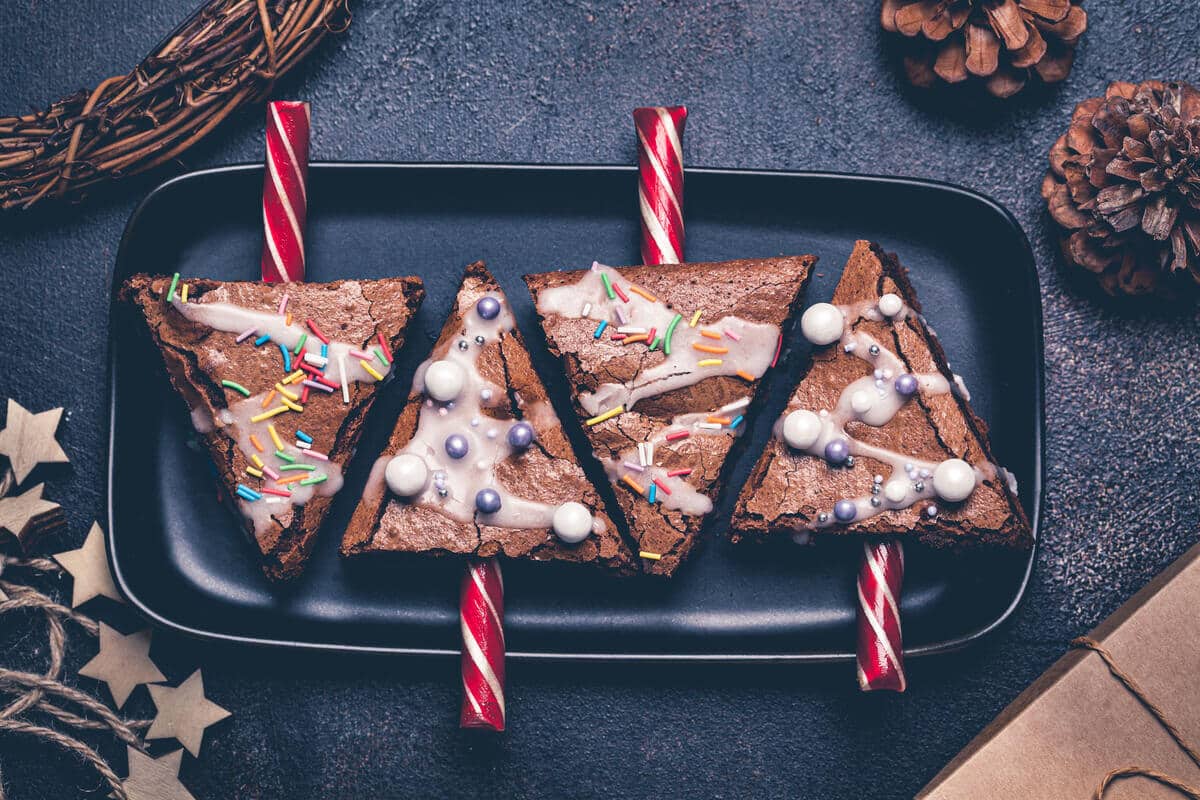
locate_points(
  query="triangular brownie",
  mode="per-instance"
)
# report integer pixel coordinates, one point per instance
(477, 463)
(879, 437)
(664, 361)
(261, 368)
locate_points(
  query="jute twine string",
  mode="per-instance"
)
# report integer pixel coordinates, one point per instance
(1087, 643)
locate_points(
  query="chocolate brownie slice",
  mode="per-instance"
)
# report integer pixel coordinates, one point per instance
(879, 436)
(477, 463)
(664, 362)
(278, 379)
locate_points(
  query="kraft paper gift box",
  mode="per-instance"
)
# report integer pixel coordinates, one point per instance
(1078, 722)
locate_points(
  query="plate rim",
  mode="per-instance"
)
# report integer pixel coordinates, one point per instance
(1029, 270)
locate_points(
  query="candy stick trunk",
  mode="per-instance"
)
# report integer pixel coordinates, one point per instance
(481, 617)
(660, 182)
(880, 646)
(285, 197)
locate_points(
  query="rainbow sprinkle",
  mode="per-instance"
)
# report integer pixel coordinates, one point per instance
(268, 414)
(183, 294)
(674, 435)
(300, 344)
(318, 477)
(736, 421)
(632, 484)
(302, 436)
(312, 326)
(171, 291)
(653, 495)
(707, 334)
(255, 471)
(246, 493)
(670, 332)
(746, 376)
(324, 387)
(287, 358)
(679, 473)
(275, 436)
(640, 292)
(283, 303)
(732, 335)
(661, 485)
(624, 297)
(290, 395)
(612, 412)
(649, 556)
(382, 358)
(282, 456)
(246, 334)
(266, 337)
(374, 373)
(708, 348)
(257, 444)
(288, 404)
(318, 456)
(600, 329)
(278, 492)
(294, 467)
(695, 318)
(608, 287)
(237, 387)
(709, 362)
(258, 462)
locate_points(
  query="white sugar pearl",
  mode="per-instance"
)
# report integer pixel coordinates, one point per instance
(801, 429)
(890, 305)
(954, 480)
(444, 380)
(572, 522)
(822, 324)
(895, 491)
(407, 475)
(861, 402)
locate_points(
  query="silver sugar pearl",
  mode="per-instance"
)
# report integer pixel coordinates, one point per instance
(849, 461)
(876, 502)
(462, 344)
(919, 486)
(875, 488)
(479, 340)
(931, 510)
(822, 517)
(443, 491)
(873, 349)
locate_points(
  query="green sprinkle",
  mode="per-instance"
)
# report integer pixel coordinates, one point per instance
(657, 340)
(318, 478)
(300, 344)
(608, 287)
(284, 456)
(670, 330)
(237, 387)
(382, 358)
(171, 291)
(294, 467)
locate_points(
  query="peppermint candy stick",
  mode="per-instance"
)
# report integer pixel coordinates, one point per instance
(660, 182)
(481, 617)
(285, 201)
(880, 645)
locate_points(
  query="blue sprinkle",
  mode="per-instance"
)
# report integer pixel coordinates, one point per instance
(266, 337)
(324, 351)
(246, 493)
(287, 359)
(653, 492)
(600, 329)
(304, 437)
(736, 421)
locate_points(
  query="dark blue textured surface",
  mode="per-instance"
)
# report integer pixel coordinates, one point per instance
(804, 85)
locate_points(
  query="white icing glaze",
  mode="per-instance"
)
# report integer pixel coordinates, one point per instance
(874, 400)
(456, 482)
(752, 351)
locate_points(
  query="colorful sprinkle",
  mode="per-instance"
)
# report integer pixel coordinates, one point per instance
(735, 405)
(304, 394)
(171, 291)
(317, 361)
(266, 337)
(248, 493)
(374, 373)
(312, 326)
(387, 351)
(302, 445)
(620, 315)
(695, 318)
(634, 467)
(707, 334)
(267, 400)
(649, 556)
(294, 467)
(736, 421)
(270, 473)
(275, 436)
(620, 293)
(289, 404)
(676, 435)
(318, 456)
(778, 347)
(290, 395)
(319, 386)
(746, 376)
(300, 344)
(342, 379)
(287, 358)
(670, 332)
(608, 287)
(679, 473)
(382, 358)
(630, 329)
(257, 444)
(612, 412)
(617, 337)
(293, 377)
(653, 495)
(652, 337)
(299, 476)
(268, 414)
(283, 303)
(360, 354)
(641, 337)
(661, 485)
(324, 351)
(708, 348)
(600, 329)
(287, 320)
(708, 426)
(302, 436)
(642, 293)
(183, 295)
(632, 484)
(237, 387)
(278, 492)
(255, 471)
(718, 420)
(732, 335)
(246, 334)
(282, 456)
(709, 362)
(258, 462)
(587, 309)
(317, 478)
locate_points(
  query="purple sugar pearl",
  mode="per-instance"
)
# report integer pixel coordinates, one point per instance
(520, 436)
(456, 445)
(487, 501)
(488, 307)
(845, 510)
(837, 451)
(906, 385)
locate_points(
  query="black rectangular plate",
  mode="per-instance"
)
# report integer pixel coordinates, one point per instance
(182, 560)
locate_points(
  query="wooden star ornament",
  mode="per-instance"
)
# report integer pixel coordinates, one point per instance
(89, 567)
(21, 515)
(155, 778)
(183, 713)
(28, 439)
(123, 662)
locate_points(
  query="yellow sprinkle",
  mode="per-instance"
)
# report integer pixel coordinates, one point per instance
(633, 484)
(287, 320)
(649, 555)
(288, 394)
(612, 412)
(299, 476)
(642, 292)
(267, 400)
(257, 444)
(746, 376)
(258, 462)
(707, 334)
(289, 404)
(275, 436)
(295, 376)
(370, 370)
(695, 318)
(183, 294)
(274, 412)
(708, 348)
(709, 362)
(255, 471)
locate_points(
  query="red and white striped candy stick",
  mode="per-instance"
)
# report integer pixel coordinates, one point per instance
(880, 645)
(285, 200)
(481, 617)
(660, 181)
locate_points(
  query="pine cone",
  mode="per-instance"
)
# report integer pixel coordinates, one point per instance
(999, 41)
(1124, 182)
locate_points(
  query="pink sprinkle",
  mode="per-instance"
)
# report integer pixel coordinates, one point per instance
(678, 473)
(270, 473)
(778, 347)
(635, 467)
(677, 435)
(283, 303)
(661, 485)
(732, 335)
(315, 385)
(316, 455)
(361, 354)
(246, 334)
(616, 337)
